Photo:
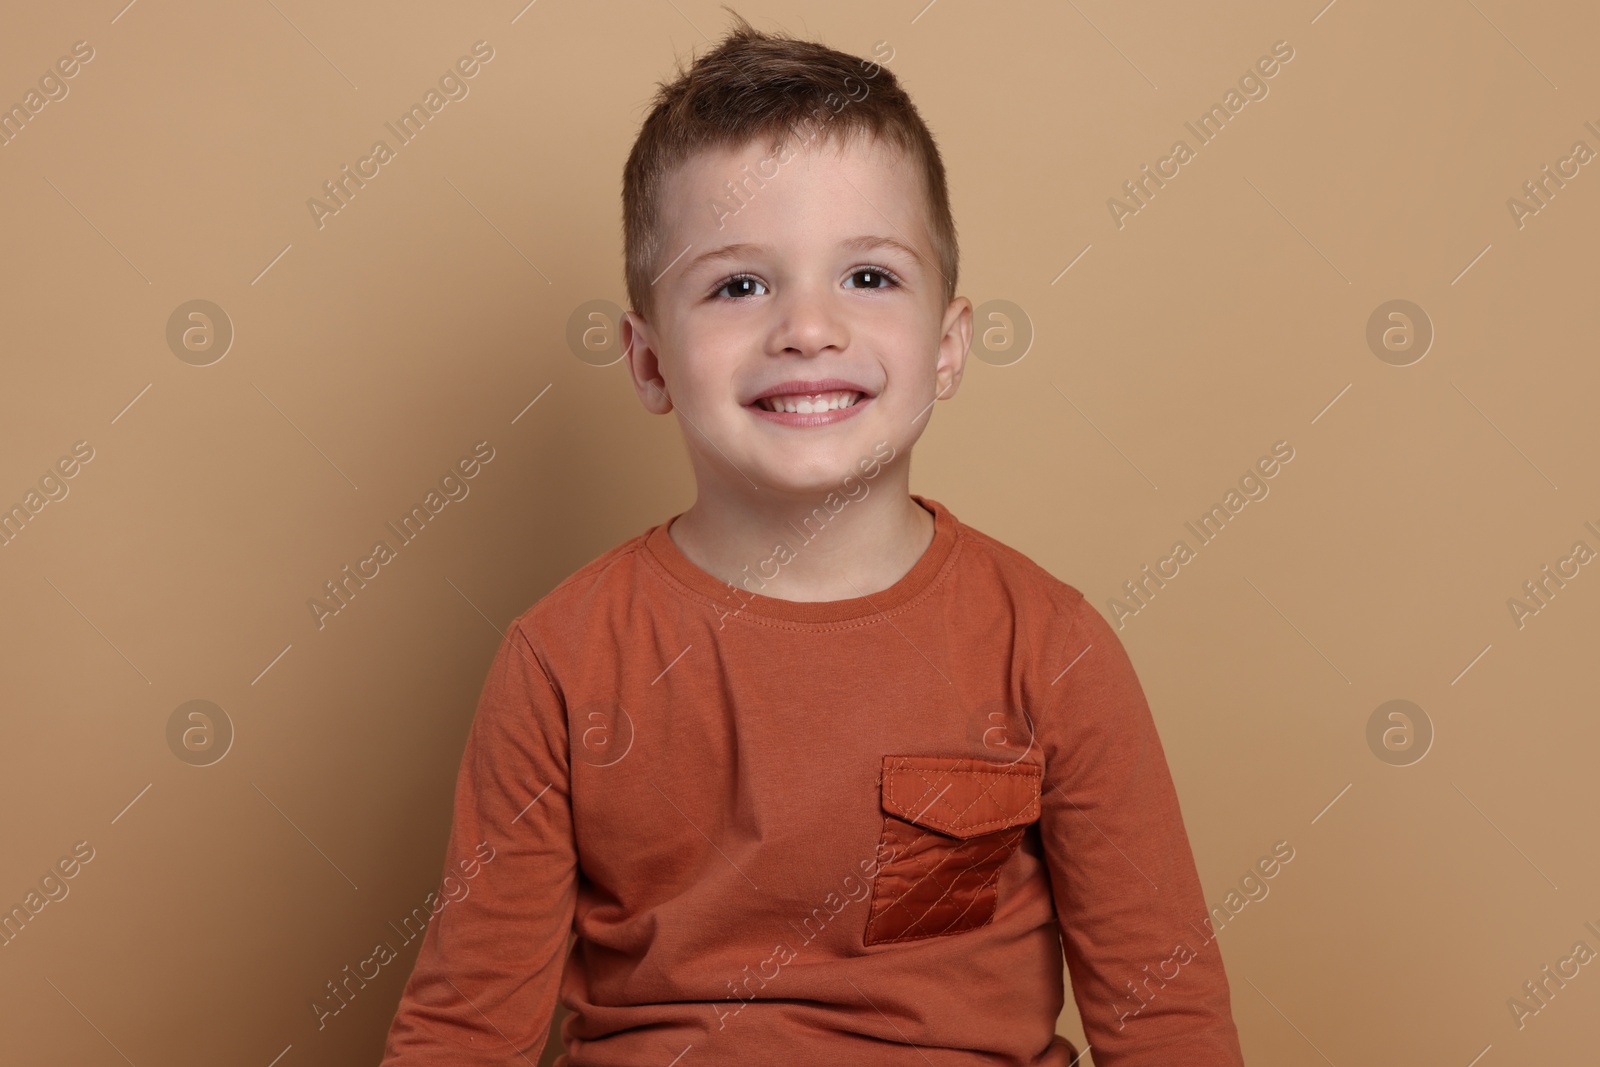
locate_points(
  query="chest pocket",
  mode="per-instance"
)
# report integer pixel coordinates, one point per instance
(949, 825)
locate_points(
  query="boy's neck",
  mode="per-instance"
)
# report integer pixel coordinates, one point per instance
(864, 548)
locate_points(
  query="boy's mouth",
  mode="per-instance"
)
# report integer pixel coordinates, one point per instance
(798, 397)
(807, 403)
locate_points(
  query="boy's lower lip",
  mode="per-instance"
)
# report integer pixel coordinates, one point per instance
(809, 419)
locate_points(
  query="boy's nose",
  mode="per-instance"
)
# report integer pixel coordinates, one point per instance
(808, 325)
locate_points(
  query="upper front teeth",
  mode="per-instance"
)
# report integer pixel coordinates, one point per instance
(807, 403)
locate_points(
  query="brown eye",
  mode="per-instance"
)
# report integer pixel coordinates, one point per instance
(741, 286)
(875, 278)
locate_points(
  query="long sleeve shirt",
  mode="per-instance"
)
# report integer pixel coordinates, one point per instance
(861, 831)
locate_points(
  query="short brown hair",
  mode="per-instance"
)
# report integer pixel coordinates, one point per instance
(757, 85)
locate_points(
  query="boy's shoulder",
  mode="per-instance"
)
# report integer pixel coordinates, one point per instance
(1054, 615)
(1015, 569)
(612, 573)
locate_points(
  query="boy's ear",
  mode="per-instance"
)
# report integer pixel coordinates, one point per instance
(644, 364)
(953, 347)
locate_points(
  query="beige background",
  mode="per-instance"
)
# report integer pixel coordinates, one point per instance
(370, 354)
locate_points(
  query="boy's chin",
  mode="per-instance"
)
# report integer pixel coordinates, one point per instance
(811, 484)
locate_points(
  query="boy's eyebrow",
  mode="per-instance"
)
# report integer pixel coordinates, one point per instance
(865, 243)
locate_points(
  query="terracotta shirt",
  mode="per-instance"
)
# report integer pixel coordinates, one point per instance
(862, 831)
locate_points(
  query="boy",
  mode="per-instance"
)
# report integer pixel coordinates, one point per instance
(815, 773)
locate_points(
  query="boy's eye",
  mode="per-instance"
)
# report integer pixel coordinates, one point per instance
(742, 285)
(876, 277)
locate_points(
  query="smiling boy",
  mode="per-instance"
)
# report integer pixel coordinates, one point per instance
(813, 772)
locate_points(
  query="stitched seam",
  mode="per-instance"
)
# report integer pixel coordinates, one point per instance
(938, 580)
(997, 776)
(949, 887)
(924, 937)
(955, 820)
(950, 854)
(1030, 808)
(883, 839)
(881, 909)
(880, 917)
(987, 887)
(954, 925)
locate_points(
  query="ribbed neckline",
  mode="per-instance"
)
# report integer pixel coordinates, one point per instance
(661, 548)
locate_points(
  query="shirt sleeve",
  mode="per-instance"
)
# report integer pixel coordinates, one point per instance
(1146, 970)
(483, 990)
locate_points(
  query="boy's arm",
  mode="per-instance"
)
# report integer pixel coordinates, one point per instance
(1146, 972)
(484, 987)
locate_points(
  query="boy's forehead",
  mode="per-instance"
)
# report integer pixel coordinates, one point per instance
(836, 144)
(750, 188)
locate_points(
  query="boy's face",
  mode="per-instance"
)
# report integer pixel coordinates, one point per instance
(824, 275)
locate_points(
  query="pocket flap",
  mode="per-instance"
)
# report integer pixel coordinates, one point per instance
(958, 796)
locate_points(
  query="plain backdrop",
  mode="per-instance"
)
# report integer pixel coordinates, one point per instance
(1134, 366)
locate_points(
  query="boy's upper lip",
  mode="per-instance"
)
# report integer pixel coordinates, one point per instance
(810, 387)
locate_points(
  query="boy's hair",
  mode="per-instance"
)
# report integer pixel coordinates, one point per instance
(761, 85)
